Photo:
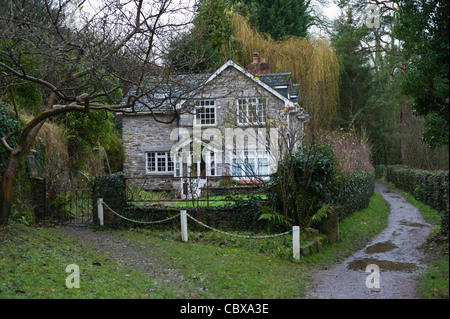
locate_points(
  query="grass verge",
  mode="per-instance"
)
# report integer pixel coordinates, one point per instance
(33, 263)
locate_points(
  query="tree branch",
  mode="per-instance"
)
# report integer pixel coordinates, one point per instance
(30, 78)
(384, 4)
(4, 140)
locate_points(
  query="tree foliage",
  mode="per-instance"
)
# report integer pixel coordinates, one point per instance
(355, 71)
(423, 27)
(199, 49)
(382, 77)
(277, 18)
(9, 125)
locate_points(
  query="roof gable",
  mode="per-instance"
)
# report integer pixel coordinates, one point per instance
(287, 102)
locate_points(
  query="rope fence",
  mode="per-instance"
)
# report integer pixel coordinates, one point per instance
(140, 221)
(184, 234)
(237, 235)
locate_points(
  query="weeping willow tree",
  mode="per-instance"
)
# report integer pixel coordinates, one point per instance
(315, 66)
(312, 62)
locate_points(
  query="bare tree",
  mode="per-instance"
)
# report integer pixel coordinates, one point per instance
(81, 58)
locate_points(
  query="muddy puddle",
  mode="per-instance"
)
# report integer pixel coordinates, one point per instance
(384, 265)
(380, 247)
(406, 223)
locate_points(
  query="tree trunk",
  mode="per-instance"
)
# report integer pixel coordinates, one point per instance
(404, 125)
(26, 139)
(7, 184)
(6, 188)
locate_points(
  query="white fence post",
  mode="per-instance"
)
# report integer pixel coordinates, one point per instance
(100, 210)
(184, 233)
(296, 241)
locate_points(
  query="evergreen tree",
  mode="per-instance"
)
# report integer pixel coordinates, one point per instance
(278, 18)
(355, 71)
(423, 26)
(369, 90)
(199, 49)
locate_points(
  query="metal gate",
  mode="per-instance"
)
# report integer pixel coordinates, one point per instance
(67, 198)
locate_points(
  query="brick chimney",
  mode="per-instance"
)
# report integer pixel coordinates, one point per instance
(255, 58)
(258, 67)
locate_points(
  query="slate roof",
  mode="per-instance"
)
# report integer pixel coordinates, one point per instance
(282, 82)
(162, 94)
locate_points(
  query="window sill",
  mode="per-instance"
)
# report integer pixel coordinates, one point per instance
(159, 173)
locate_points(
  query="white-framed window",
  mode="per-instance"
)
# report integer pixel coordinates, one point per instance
(205, 112)
(159, 162)
(250, 163)
(211, 164)
(208, 165)
(251, 111)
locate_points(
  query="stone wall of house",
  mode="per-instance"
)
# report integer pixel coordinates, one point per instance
(225, 89)
(141, 134)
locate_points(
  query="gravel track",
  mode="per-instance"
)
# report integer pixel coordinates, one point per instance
(395, 252)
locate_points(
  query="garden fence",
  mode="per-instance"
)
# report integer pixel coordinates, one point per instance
(184, 227)
(207, 191)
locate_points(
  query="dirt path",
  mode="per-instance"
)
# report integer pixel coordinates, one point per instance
(133, 255)
(395, 252)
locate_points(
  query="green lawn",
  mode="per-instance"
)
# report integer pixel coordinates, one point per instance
(212, 265)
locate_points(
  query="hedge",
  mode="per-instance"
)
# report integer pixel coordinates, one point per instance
(427, 187)
(352, 191)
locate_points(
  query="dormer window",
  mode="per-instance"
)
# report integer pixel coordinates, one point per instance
(205, 112)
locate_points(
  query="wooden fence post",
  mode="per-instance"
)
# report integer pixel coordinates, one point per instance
(296, 242)
(100, 210)
(184, 233)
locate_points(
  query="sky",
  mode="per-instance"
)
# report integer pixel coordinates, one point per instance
(327, 7)
(331, 11)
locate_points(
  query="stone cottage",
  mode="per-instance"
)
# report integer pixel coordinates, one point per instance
(233, 122)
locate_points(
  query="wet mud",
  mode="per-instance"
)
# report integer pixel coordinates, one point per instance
(380, 247)
(395, 253)
(362, 264)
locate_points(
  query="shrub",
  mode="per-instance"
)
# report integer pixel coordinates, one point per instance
(353, 152)
(427, 187)
(316, 182)
(352, 191)
(115, 152)
(8, 123)
(112, 189)
(302, 185)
